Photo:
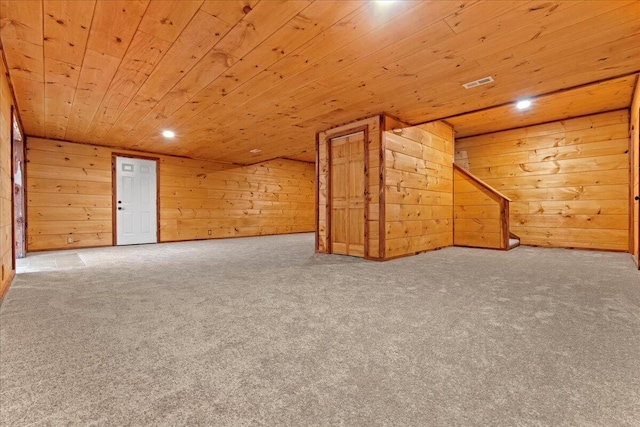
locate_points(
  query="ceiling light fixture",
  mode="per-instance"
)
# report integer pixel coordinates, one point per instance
(168, 133)
(523, 104)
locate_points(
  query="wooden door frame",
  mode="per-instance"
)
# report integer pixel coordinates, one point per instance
(329, 141)
(13, 197)
(114, 201)
(16, 120)
(635, 150)
(634, 205)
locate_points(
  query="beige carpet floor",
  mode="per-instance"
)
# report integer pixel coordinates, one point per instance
(263, 332)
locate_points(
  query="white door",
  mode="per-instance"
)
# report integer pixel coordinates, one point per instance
(136, 216)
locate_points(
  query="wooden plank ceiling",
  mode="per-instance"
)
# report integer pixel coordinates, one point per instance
(609, 95)
(233, 76)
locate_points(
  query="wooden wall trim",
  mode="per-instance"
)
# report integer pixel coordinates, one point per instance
(12, 173)
(453, 178)
(317, 195)
(453, 211)
(394, 257)
(14, 117)
(25, 183)
(383, 180)
(504, 223)
(9, 282)
(114, 203)
(634, 175)
(632, 201)
(365, 153)
(480, 182)
(217, 238)
(329, 246)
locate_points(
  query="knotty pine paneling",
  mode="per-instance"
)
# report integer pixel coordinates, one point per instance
(590, 99)
(6, 186)
(477, 214)
(568, 180)
(418, 188)
(231, 76)
(372, 223)
(69, 196)
(635, 173)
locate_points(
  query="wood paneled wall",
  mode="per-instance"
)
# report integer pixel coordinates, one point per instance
(568, 180)
(374, 171)
(6, 186)
(635, 172)
(418, 188)
(274, 197)
(478, 214)
(69, 194)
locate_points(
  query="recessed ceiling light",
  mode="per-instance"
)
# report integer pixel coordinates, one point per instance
(523, 104)
(168, 133)
(255, 151)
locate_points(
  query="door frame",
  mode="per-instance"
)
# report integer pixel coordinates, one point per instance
(635, 174)
(114, 202)
(365, 130)
(15, 119)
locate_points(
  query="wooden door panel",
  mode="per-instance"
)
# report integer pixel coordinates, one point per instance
(339, 230)
(339, 194)
(356, 232)
(356, 195)
(339, 176)
(339, 248)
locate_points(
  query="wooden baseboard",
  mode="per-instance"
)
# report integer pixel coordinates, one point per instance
(414, 253)
(480, 247)
(234, 237)
(6, 287)
(67, 249)
(575, 248)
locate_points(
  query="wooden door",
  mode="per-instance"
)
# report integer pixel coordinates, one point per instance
(347, 195)
(136, 208)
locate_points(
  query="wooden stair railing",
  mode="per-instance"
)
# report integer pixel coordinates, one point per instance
(481, 213)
